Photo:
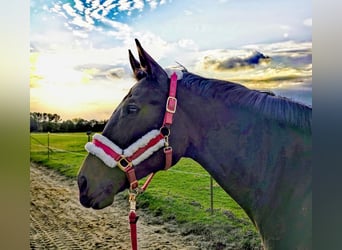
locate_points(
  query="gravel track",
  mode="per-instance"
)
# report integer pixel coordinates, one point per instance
(58, 220)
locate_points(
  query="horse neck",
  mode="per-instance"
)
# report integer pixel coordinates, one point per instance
(244, 152)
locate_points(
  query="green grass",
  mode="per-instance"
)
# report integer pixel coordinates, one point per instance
(180, 195)
(68, 160)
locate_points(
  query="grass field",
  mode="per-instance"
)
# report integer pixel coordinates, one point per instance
(181, 194)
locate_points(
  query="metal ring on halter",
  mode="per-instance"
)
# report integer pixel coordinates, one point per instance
(165, 131)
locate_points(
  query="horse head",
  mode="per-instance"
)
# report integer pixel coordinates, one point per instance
(137, 122)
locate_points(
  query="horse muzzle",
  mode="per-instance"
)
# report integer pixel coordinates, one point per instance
(98, 184)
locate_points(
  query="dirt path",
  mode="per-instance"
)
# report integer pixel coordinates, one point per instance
(58, 221)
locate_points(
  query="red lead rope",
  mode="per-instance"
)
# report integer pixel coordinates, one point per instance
(133, 225)
(133, 218)
(171, 105)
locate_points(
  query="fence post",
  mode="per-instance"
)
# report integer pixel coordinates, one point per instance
(48, 146)
(211, 196)
(88, 134)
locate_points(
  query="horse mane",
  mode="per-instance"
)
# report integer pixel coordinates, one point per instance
(268, 104)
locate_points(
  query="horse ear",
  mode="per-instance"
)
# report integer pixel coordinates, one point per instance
(138, 72)
(134, 63)
(152, 67)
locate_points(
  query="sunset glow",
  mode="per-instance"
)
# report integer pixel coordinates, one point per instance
(79, 59)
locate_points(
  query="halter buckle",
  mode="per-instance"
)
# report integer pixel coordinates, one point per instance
(123, 163)
(132, 201)
(169, 108)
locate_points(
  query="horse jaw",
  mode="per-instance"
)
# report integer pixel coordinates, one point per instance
(98, 184)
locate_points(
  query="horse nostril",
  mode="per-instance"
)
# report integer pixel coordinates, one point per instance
(82, 183)
(85, 201)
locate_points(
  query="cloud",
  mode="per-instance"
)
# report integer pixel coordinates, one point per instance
(225, 60)
(80, 34)
(86, 24)
(153, 3)
(308, 22)
(33, 48)
(188, 12)
(79, 5)
(285, 27)
(118, 30)
(287, 49)
(259, 66)
(68, 9)
(138, 4)
(295, 54)
(97, 22)
(187, 44)
(116, 73)
(124, 5)
(84, 14)
(102, 71)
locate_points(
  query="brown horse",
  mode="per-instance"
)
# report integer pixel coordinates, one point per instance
(257, 146)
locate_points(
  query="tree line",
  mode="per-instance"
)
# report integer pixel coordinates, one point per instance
(46, 122)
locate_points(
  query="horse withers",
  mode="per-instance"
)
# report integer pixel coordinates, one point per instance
(256, 146)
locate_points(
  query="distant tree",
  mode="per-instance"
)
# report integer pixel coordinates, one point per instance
(51, 117)
(99, 126)
(81, 125)
(93, 123)
(47, 122)
(34, 124)
(67, 126)
(50, 126)
(56, 118)
(39, 116)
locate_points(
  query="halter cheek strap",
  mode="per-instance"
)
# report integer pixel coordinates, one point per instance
(171, 107)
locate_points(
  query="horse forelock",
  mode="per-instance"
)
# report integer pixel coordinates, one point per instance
(271, 106)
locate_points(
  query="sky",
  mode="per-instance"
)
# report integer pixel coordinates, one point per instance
(79, 65)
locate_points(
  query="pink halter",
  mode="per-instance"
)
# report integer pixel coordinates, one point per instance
(112, 155)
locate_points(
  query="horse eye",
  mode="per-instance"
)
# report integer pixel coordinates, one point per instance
(131, 109)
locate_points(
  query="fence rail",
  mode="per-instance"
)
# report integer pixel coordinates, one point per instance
(50, 149)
